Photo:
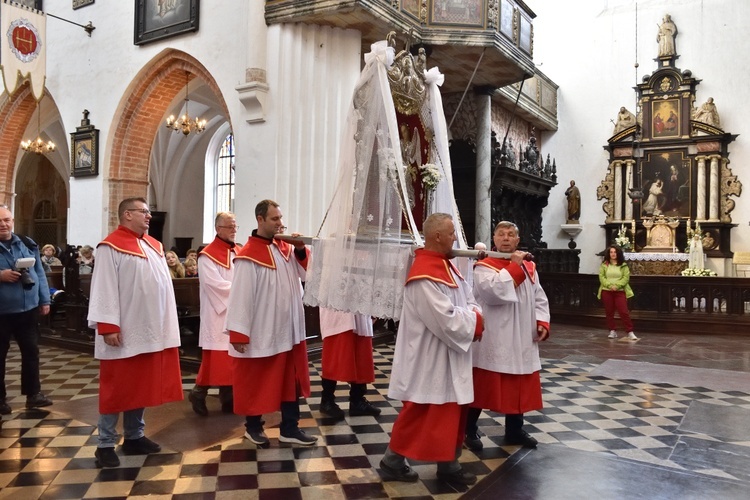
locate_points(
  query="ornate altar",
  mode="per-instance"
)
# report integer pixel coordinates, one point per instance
(660, 234)
(671, 161)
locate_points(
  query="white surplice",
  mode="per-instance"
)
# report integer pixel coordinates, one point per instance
(136, 294)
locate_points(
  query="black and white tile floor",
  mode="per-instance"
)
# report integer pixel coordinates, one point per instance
(46, 454)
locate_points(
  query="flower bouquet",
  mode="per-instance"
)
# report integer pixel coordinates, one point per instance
(428, 174)
(622, 240)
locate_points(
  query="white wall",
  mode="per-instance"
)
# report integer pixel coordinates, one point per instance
(588, 48)
(95, 73)
(291, 156)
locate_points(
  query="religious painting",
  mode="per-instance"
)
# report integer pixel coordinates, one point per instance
(667, 184)
(84, 149)
(665, 118)
(507, 11)
(411, 6)
(159, 19)
(465, 12)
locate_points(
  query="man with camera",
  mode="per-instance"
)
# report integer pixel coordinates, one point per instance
(24, 294)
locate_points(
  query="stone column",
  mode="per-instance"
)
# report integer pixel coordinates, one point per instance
(700, 210)
(713, 207)
(254, 91)
(618, 191)
(628, 184)
(483, 221)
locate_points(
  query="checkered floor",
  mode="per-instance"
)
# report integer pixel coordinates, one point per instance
(43, 455)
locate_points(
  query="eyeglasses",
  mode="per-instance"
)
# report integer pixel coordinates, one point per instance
(144, 211)
(229, 227)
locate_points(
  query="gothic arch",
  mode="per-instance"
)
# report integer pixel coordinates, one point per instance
(139, 117)
(15, 114)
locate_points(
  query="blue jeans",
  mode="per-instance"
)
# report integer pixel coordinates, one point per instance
(132, 423)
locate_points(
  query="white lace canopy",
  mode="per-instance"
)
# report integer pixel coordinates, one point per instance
(364, 247)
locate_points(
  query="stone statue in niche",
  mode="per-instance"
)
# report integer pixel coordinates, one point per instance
(665, 37)
(625, 120)
(707, 114)
(574, 203)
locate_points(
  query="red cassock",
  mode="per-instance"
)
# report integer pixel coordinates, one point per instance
(507, 393)
(262, 384)
(139, 382)
(427, 431)
(347, 357)
(216, 368)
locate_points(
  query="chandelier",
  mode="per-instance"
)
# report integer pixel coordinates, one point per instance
(38, 145)
(185, 124)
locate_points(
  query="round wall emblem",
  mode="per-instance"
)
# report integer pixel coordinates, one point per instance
(23, 40)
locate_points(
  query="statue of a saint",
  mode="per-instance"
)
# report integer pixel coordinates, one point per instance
(574, 203)
(666, 36)
(708, 114)
(625, 120)
(696, 259)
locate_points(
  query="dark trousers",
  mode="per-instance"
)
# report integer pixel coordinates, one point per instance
(513, 422)
(356, 391)
(289, 419)
(24, 328)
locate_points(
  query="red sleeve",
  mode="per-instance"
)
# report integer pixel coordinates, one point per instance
(238, 338)
(302, 259)
(107, 328)
(516, 272)
(479, 329)
(544, 324)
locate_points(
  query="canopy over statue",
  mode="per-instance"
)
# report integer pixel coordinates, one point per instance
(394, 171)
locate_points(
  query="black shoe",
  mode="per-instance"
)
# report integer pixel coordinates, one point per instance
(140, 446)
(460, 477)
(521, 437)
(299, 437)
(331, 409)
(199, 404)
(473, 441)
(405, 473)
(362, 408)
(227, 407)
(106, 457)
(4, 408)
(37, 401)
(258, 438)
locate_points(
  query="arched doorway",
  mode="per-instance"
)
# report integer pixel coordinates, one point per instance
(139, 121)
(41, 201)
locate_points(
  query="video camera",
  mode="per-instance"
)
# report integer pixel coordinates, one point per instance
(22, 266)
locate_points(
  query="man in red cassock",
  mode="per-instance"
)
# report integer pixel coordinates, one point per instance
(266, 324)
(133, 311)
(507, 365)
(216, 269)
(432, 362)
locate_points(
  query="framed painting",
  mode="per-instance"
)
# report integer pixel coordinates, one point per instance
(159, 19)
(665, 118)
(84, 153)
(666, 178)
(34, 4)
